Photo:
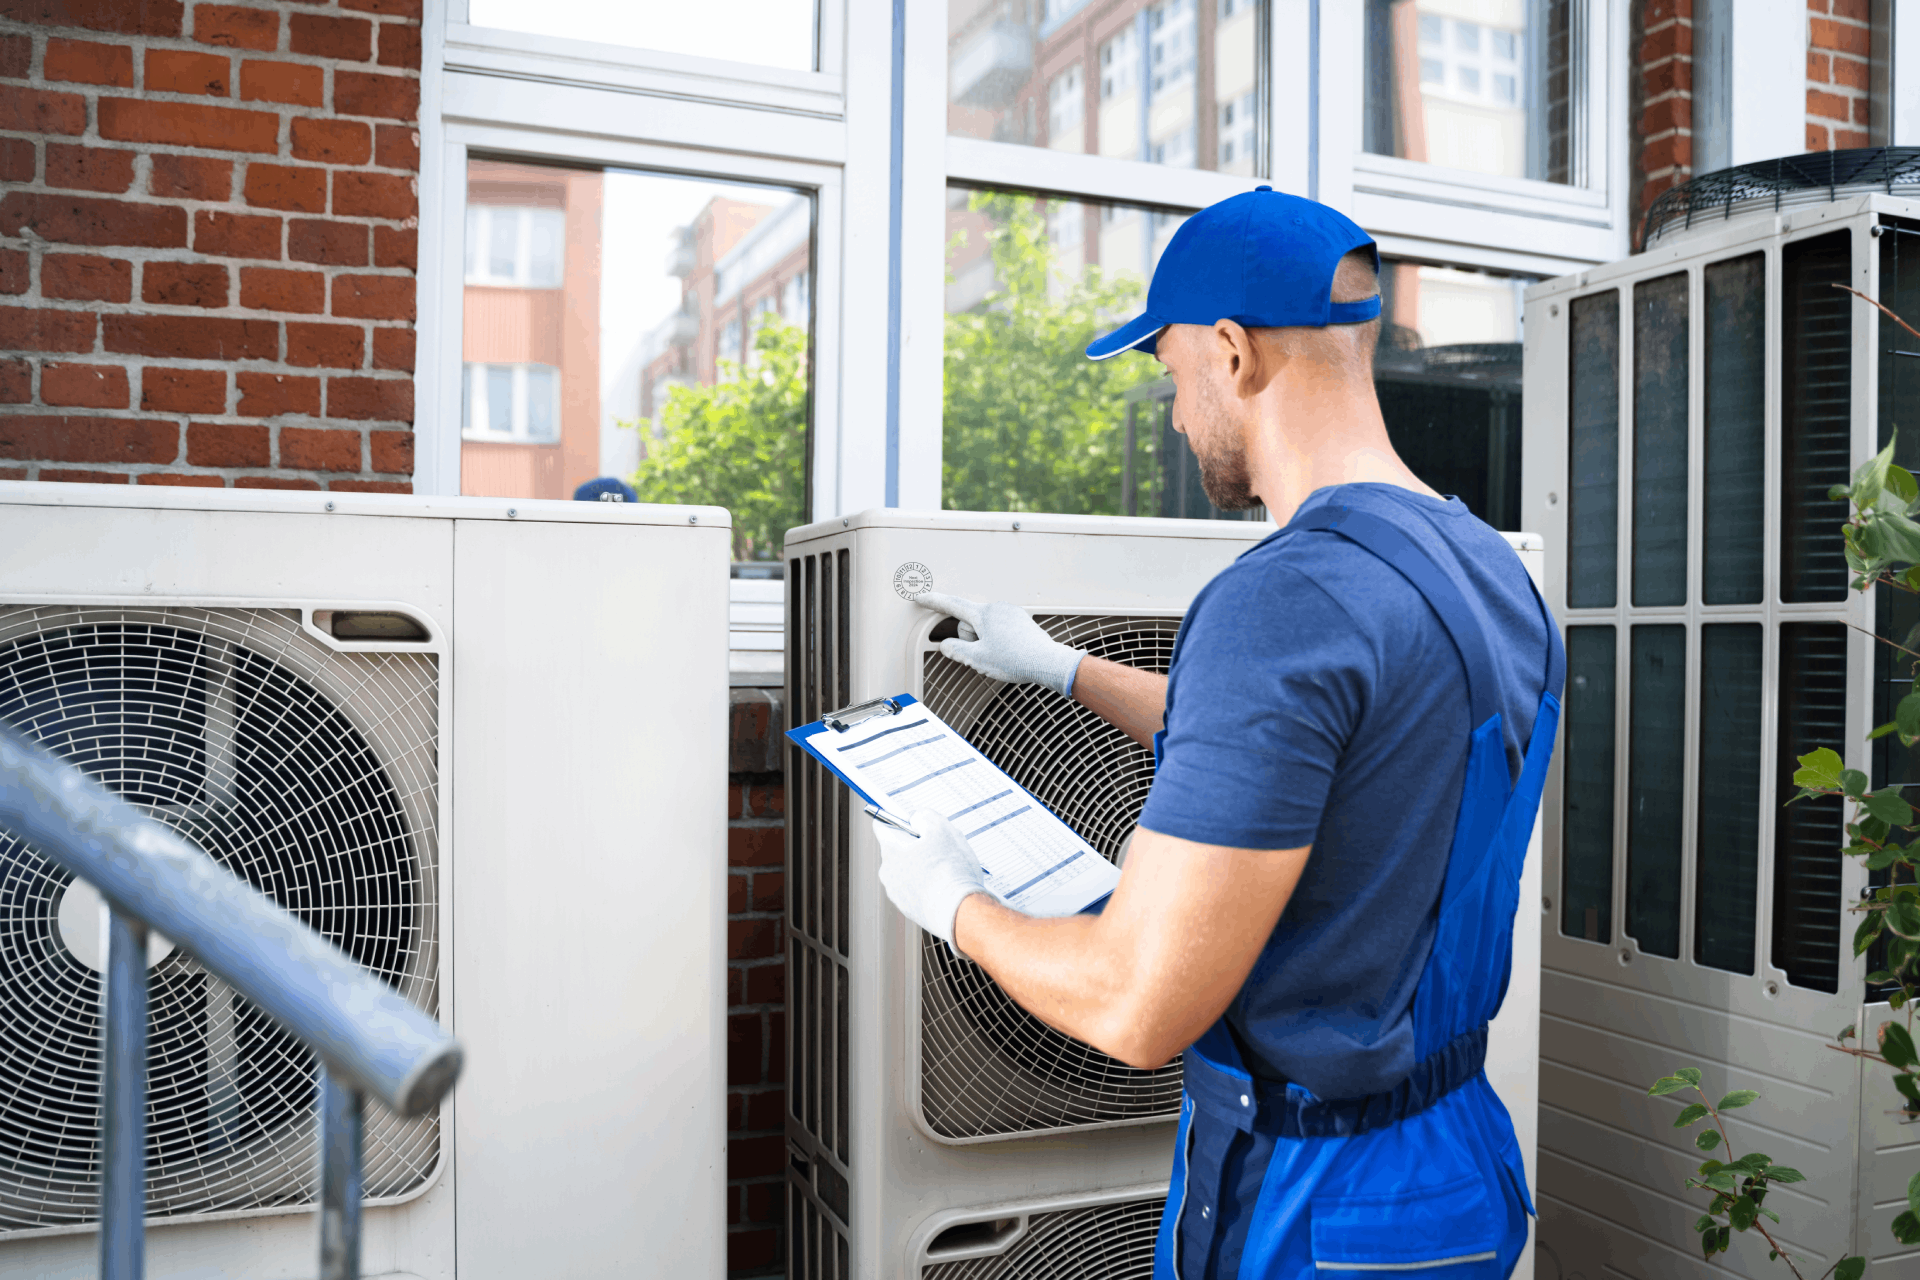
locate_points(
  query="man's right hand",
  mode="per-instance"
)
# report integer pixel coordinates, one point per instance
(1002, 641)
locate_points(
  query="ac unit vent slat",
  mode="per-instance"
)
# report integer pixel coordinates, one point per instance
(1101, 1242)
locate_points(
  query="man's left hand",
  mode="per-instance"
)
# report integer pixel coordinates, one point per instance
(930, 874)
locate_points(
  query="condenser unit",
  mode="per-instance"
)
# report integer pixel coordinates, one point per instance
(935, 1129)
(478, 744)
(1686, 412)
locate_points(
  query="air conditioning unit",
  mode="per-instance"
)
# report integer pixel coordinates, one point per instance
(1687, 410)
(935, 1129)
(479, 745)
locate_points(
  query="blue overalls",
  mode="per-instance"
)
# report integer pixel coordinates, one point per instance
(1272, 1183)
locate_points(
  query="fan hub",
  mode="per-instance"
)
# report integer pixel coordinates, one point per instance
(80, 918)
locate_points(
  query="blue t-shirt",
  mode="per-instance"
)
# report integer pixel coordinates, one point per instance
(1316, 699)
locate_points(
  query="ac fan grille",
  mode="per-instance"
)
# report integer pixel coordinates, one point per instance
(988, 1068)
(309, 773)
(1101, 1242)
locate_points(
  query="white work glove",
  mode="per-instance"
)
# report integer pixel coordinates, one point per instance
(1002, 641)
(929, 875)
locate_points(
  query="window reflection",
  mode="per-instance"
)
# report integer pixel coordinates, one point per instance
(1172, 82)
(769, 33)
(1482, 85)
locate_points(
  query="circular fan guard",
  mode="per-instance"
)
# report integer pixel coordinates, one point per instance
(1104, 1242)
(230, 727)
(989, 1068)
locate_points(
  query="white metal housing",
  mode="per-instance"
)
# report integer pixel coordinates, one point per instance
(882, 1180)
(578, 651)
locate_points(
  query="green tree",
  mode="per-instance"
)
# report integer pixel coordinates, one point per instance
(1031, 424)
(740, 443)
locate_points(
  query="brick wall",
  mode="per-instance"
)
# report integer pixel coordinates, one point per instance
(1838, 41)
(207, 242)
(1662, 105)
(756, 987)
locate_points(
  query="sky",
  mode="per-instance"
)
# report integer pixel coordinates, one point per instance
(769, 33)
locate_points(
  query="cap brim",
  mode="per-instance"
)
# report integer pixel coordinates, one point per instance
(1137, 334)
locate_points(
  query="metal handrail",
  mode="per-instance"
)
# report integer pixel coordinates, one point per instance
(368, 1038)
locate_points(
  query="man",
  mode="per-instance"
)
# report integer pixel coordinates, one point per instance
(1317, 907)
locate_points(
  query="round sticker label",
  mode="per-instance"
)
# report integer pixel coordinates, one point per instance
(912, 579)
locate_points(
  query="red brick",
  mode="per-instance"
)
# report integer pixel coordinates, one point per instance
(16, 383)
(357, 93)
(44, 329)
(279, 186)
(399, 45)
(25, 110)
(770, 891)
(737, 889)
(1819, 67)
(271, 289)
(185, 71)
(61, 437)
(190, 178)
(1817, 138)
(374, 195)
(736, 989)
(332, 142)
(88, 168)
(83, 477)
(370, 486)
(1664, 153)
(13, 271)
(319, 36)
(167, 390)
(273, 482)
(189, 124)
(236, 235)
(1667, 77)
(16, 56)
(396, 247)
(84, 386)
(1852, 73)
(1830, 106)
(1674, 40)
(393, 349)
(754, 1250)
(1671, 113)
(122, 17)
(752, 939)
(236, 27)
(192, 337)
(1861, 114)
(756, 846)
(766, 984)
(90, 220)
(776, 1047)
(216, 444)
(392, 451)
(324, 346)
(746, 1048)
(317, 449)
(333, 244)
(767, 801)
(13, 473)
(755, 1158)
(388, 399)
(373, 297)
(267, 395)
(1858, 10)
(1844, 139)
(184, 284)
(84, 278)
(765, 1111)
(179, 481)
(84, 62)
(1825, 33)
(19, 160)
(396, 146)
(294, 83)
(397, 8)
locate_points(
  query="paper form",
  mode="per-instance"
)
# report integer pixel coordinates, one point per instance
(911, 759)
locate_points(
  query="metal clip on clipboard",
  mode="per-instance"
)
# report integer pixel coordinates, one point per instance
(844, 719)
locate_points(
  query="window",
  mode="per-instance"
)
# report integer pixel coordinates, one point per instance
(1486, 86)
(772, 33)
(517, 403)
(1013, 76)
(515, 245)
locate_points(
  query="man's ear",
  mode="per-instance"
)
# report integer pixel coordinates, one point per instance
(1239, 356)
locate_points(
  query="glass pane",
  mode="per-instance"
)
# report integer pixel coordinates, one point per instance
(1656, 786)
(1586, 860)
(616, 304)
(1816, 414)
(1729, 821)
(1593, 451)
(1482, 85)
(1173, 82)
(500, 399)
(1660, 371)
(1448, 376)
(1733, 505)
(768, 33)
(1029, 423)
(1807, 834)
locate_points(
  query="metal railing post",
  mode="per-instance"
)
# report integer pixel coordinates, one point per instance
(123, 1088)
(342, 1119)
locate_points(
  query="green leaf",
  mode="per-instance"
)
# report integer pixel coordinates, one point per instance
(1721, 1181)
(1903, 917)
(1709, 1242)
(1690, 1074)
(1819, 768)
(1752, 1162)
(1913, 579)
(1848, 1268)
(1742, 1213)
(1868, 930)
(1896, 1046)
(1879, 976)
(1907, 714)
(1870, 479)
(1881, 859)
(1908, 1086)
(1666, 1085)
(1708, 1139)
(1896, 999)
(1882, 730)
(1890, 809)
(1854, 783)
(1838, 493)
(1780, 1173)
(1723, 1237)
(1771, 1214)
(1738, 1098)
(1713, 1166)
(1901, 484)
(1906, 1228)
(1705, 1223)
(1689, 1116)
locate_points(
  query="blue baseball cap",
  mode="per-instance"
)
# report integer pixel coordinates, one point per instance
(1263, 259)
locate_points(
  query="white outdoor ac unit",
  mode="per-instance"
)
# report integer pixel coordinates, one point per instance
(478, 744)
(936, 1130)
(1686, 411)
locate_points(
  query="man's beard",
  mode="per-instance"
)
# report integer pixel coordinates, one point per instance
(1222, 456)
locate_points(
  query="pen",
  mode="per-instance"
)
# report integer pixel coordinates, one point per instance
(881, 815)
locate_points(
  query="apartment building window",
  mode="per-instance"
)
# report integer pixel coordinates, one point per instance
(511, 403)
(517, 246)
(1067, 111)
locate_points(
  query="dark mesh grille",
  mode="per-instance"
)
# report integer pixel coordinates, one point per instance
(1815, 177)
(1106, 1242)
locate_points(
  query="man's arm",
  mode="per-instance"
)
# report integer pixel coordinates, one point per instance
(1131, 700)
